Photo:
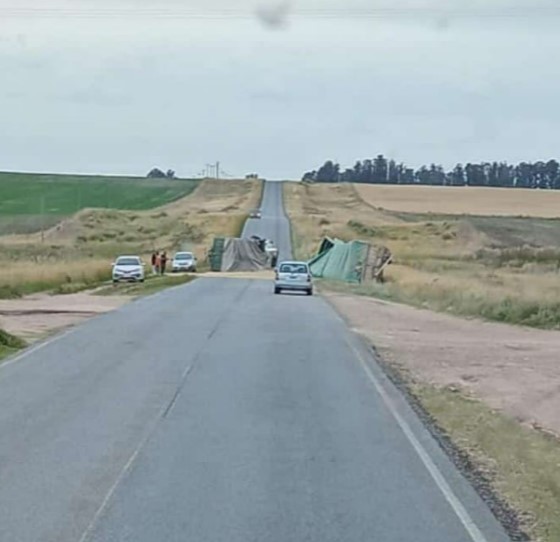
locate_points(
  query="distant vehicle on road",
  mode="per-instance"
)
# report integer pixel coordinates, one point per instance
(128, 269)
(255, 213)
(293, 276)
(183, 262)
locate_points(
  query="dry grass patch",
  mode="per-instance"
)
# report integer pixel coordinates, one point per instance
(79, 250)
(468, 289)
(521, 463)
(21, 278)
(323, 210)
(500, 268)
(463, 200)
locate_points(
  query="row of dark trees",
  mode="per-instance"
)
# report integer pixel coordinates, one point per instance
(500, 174)
(157, 173)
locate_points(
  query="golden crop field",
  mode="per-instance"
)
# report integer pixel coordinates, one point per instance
(463, 200)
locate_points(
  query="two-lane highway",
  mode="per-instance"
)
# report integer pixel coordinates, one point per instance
(219, 412)
(274, 224)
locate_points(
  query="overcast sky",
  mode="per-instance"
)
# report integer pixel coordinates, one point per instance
(119, 87)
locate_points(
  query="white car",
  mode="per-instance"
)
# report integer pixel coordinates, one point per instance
(270, 248)
(128, 269)
(255, 213)
(293, 276)
(183, 262)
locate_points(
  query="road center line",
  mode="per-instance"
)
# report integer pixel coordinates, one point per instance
(153, 426)
(461, 512)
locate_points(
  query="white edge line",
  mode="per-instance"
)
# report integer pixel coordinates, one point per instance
(61, 334)
(461, 512)
(32, 349)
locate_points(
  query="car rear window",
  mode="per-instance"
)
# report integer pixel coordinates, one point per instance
(293, 268)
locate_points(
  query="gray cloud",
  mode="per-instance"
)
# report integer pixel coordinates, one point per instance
(119, 95)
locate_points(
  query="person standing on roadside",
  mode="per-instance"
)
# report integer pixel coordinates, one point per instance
(163, 262)
(158, 263)
(154, 263)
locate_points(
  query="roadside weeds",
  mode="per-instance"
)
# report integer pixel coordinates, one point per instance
(520, 464)
(9, 344)
(151, 286)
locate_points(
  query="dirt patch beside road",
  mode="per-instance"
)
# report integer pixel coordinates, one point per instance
(513, 369)
(34, 317)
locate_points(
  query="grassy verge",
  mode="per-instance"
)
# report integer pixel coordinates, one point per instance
(151, 286)
(239, 224)
(9, 344)
(522, 464)
(489, 304)
(20, 279)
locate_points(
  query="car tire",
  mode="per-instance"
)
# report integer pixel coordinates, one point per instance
(277, 291)
(309, 292)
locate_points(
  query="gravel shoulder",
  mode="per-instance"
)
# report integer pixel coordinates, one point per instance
(488, 393)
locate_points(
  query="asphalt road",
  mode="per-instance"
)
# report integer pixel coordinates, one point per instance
(218, 412)
(273, 225)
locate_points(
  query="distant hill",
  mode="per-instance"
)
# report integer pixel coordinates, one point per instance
(31, 201)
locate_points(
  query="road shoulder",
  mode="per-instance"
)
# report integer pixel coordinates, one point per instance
(448, 368)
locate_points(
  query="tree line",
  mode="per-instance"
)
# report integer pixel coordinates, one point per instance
(157, 173)
(379, 170)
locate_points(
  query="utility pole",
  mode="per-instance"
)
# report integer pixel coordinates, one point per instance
(217, 170)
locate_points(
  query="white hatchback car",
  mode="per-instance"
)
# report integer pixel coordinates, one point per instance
(128, 269)
(183, 262)
(293, 276)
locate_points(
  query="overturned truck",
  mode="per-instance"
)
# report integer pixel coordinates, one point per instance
(230, 254)
(353, 261)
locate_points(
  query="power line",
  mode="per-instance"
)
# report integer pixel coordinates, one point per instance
(215, 171)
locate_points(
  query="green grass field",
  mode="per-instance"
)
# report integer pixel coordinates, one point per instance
(24, 197)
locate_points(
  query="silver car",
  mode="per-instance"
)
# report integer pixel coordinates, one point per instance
(128, 269)
(293, 276)
(183, 262)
